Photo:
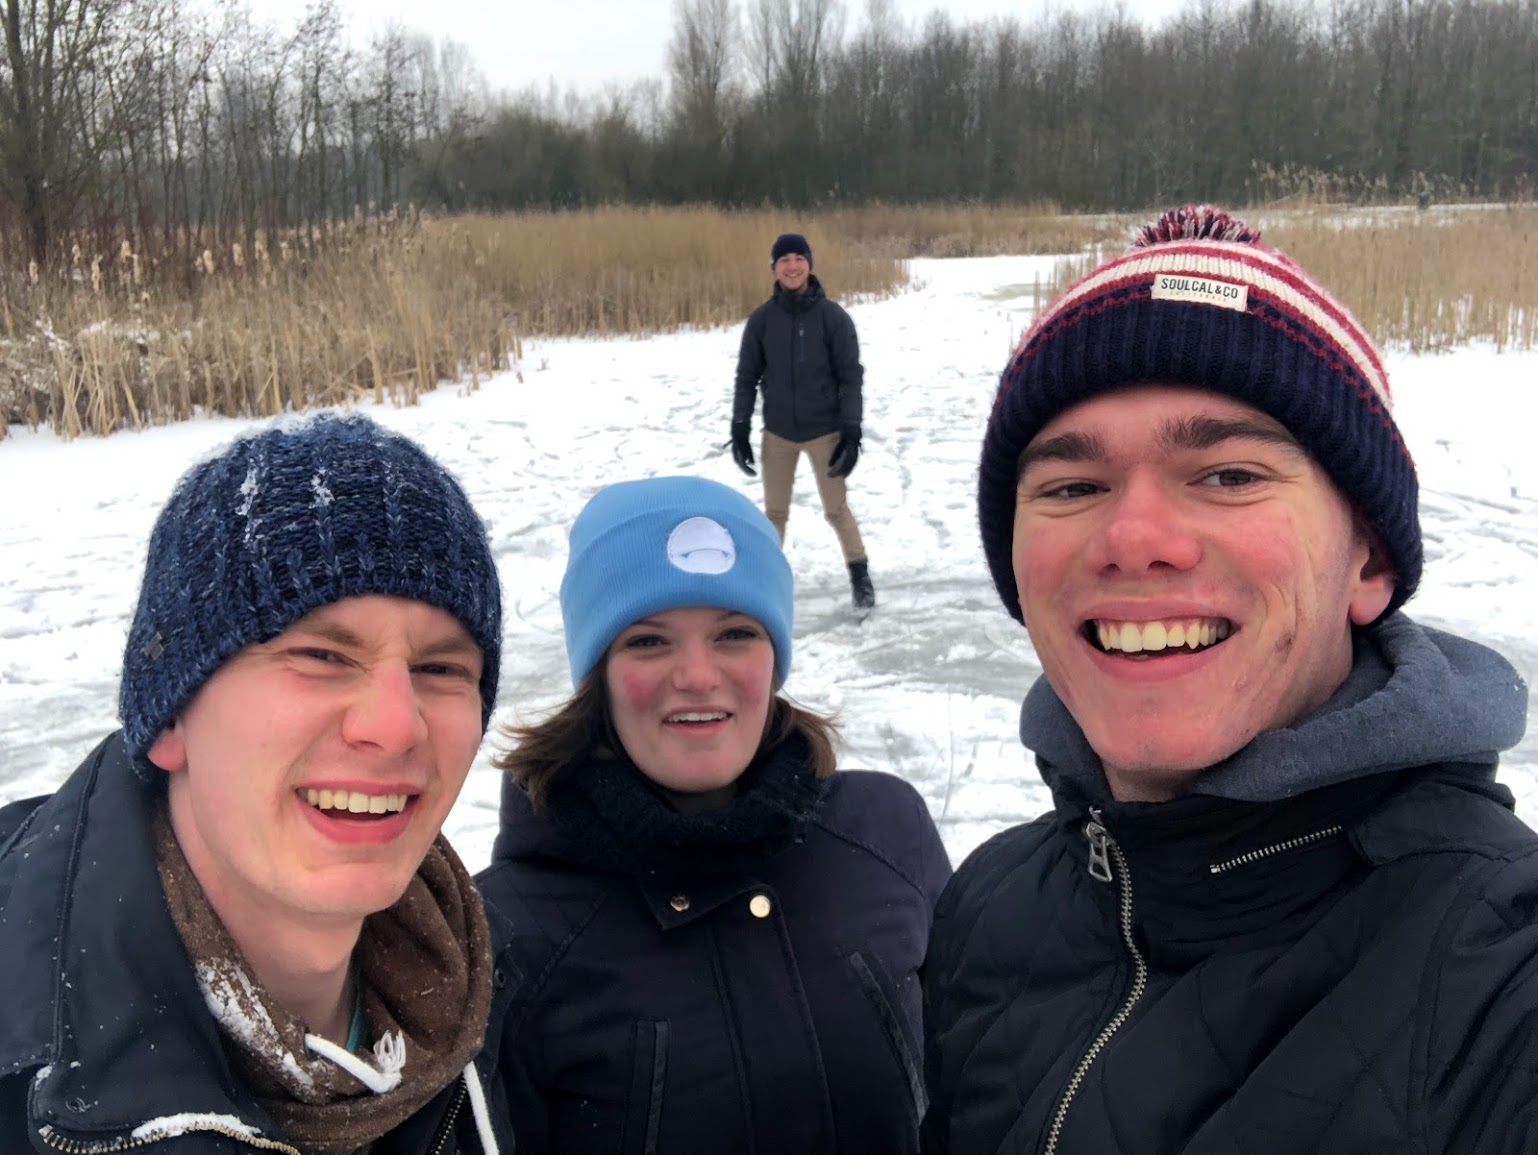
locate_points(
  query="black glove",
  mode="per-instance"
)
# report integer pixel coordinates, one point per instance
(845, 453)
(742, 449)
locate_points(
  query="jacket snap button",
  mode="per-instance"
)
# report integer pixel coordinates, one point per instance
(760, 906)
(679, 902)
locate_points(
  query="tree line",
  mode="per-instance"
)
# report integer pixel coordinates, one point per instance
(171, 127)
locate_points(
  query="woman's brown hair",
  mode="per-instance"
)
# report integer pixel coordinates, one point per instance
(580, 729)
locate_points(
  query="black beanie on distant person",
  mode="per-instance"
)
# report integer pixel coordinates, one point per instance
(789, 243)
(1196, 301)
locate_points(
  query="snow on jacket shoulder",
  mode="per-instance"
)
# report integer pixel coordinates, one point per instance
(803, 351)
(773, 1010)
(1354, 969)
(106, 1043)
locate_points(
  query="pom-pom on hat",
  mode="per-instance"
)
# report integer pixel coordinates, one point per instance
(1196, 301)
(664, 543)
(281, 523)
(789, 243)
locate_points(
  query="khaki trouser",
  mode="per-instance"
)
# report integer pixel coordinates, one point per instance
(778, 459)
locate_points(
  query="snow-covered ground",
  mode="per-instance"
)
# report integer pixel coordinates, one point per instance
(929, 686)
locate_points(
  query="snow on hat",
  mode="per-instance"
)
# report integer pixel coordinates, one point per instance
(664, 543)
(789, 243)
(285, 521)
(1196, 301)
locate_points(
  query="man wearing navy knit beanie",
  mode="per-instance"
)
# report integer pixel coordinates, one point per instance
(237, 925)
(1282, 903)
(801, 350)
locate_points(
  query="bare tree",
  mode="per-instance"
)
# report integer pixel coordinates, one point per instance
(792, 38)
(793, 41)
(705, 35)
(453, 115)
(51, 48)
(700, 66)
(324, 64)
(862, 116)
(391, 100)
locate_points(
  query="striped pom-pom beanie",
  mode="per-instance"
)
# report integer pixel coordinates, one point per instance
(1196, 301)
(285, 521)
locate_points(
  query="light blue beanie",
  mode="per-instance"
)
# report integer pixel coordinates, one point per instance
(665, 543)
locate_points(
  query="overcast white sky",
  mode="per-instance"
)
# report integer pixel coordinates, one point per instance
(587, 44)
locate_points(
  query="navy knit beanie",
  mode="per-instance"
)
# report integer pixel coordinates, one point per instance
(665, 543)
(281, 523)
(789, 243)
(1198, 302)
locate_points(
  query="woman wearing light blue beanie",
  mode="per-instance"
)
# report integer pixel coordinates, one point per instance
(717, 936)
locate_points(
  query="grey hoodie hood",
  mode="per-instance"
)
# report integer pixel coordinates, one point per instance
(1415, 697)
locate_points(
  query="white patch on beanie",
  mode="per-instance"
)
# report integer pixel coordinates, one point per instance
(248, 490)
(1201, 291)
(700, 545)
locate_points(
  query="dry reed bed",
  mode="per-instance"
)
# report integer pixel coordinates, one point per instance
(1427, 281)
(901, 232)
(389, 308)
(625, 271)
(376, 312)
(1423, 281)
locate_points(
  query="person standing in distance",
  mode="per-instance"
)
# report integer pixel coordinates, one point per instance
(802, 351)
(1281, 902)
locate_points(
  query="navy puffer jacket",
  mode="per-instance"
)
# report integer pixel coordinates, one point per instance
(767, 1005)
(1352, 967)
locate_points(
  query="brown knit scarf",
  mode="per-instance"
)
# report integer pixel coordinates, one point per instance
(424, 970)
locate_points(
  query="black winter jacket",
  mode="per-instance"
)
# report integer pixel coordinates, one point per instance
(1352, 968)
(802, 350)
(103, 1030)
(771, 1008)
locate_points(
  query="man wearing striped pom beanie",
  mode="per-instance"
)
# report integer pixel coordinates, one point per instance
(1281, 903)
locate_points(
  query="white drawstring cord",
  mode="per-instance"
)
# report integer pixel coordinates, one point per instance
(478, 1109)
(389, 1059)
(390, 1055)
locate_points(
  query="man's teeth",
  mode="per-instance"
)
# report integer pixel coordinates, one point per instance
(697, 717)
(1147, 637)
(356, 803)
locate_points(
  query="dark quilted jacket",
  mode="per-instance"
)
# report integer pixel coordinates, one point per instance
(1355, 969)
(802, 350)
(772, 1009)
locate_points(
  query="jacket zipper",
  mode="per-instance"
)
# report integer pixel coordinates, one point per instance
(99, 1147)
(451, 1119)
(1102, 851)
(108, 1147)
(1254, 856)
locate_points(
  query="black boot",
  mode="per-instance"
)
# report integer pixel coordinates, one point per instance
(859, 582)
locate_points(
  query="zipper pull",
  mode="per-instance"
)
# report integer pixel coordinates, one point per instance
(1099, 848)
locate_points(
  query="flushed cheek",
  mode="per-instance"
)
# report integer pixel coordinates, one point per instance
(456, 733)
(633, 691)
(753, 689)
